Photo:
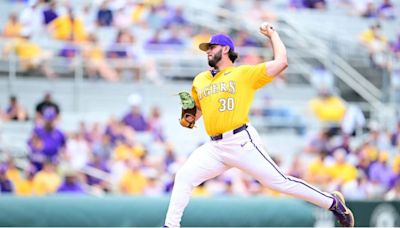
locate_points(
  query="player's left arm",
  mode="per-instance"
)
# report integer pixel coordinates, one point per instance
(280, 61)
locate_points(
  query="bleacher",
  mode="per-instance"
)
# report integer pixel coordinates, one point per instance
(280, 111)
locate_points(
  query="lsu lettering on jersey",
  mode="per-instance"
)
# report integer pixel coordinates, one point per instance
(225, 99)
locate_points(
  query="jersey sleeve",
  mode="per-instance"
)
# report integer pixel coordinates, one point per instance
(258, 75)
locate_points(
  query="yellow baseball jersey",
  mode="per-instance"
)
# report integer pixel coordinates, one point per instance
(225, 99)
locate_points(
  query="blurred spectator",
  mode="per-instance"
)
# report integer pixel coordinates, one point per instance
(47, 141)
(320, 142)
(201, 190)
(259, 11)
(174, 38)
(175, 18)
(70, 50)
(31, 17)
(96, 183)
(199, 37)
(139, 13)
(122, 55)
(127, 149)
(317, 172)
(68, 27)
(376, 42)
(377, 137)
(154, 40)
(114, 131)
(77, 152)
(104, 15)
(30, 55)
(155, 124)
(122, 18)
(386, 10)
(394, 193)
(155, 18)
(353, 120)
(88, 18)
(244, 39)
(154, 187)
(47, 102)
(395, 46)
(6, 185)
(310, 4)
(357, 189)
(24, 187)
(328, 108)
(50, 13)
(15, 111)
(134, 118)
(322, 78)
(380, 172)
(395, 136)
(344, 144)
(296, 167)
(314, 4)
(102, 148)
(295, 4)
(96, 64)
(46, 181)
(370, 11)
(341, 171)
(13, 173)
(133, 181)
(12, 28)
(71, 184)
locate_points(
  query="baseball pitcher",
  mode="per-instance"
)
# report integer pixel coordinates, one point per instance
(223, 97)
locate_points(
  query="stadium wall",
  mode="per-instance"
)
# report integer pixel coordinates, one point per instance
(118, 211)
(87, 211)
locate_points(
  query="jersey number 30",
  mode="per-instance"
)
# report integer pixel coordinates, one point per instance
(226, 104)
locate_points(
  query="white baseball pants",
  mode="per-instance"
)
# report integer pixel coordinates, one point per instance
(242, 150)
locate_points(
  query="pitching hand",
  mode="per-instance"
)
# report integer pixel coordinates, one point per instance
(267, 29)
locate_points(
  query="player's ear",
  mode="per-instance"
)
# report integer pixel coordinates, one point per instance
(225, 49)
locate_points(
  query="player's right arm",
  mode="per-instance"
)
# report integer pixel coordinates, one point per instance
(280, 62)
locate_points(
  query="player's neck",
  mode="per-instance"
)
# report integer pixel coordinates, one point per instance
(223, 65)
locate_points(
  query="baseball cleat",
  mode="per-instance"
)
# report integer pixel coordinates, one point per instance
(341, 211)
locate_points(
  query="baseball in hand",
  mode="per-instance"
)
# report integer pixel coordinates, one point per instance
(265, 25)
(267, 29)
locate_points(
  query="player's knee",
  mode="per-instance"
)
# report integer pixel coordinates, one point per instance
(182, 177)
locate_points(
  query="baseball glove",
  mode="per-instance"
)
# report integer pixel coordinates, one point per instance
(188, 117)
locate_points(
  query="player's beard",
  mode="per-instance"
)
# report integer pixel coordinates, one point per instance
(215, 59)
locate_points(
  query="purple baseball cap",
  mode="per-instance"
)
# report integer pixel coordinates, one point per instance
(220, 39)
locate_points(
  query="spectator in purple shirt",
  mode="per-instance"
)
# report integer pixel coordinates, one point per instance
(395, 136)
(175, 17)
(49, 13)
(71, 185)
(134, 118)
(104, 15)
(114, 131)
(386, 10)
(5, 184)
(100, 164)
(395, 46)
(314, 4)
(174, 37)
(47, 141)
(380, 172)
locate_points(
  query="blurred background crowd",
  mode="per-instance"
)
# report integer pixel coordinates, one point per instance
(340, 139)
